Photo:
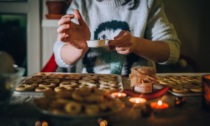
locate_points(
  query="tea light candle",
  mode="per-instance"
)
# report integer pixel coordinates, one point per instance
(118, 95)
(159, 105)
(137, 102)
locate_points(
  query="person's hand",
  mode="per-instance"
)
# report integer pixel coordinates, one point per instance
(72, 33)
(123, 43)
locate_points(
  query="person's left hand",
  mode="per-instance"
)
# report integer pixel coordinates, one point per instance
(123, 43)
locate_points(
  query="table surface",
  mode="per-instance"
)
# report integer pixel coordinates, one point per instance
(21, 112)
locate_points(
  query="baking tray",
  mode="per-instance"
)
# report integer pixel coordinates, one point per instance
(38, 94)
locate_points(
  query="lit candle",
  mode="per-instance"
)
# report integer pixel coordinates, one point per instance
(118, 95)
(159, 105)
(137, 102)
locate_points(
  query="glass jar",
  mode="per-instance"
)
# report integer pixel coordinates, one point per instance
(206, 92)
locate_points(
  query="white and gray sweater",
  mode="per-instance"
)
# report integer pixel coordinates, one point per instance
(106, 19)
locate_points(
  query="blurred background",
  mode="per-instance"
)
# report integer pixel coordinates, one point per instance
(28, 31)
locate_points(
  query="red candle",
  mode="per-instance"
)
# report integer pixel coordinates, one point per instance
(159, 105)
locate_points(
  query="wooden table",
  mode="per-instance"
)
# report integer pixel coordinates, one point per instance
(21, 112)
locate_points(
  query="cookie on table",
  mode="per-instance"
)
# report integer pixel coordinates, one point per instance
(73, 76)
(93, 98)
(43, 89)
(83, 91)
(40, 75)
(107, 88)
(180, 90)
(90, 76)
(90, 85)
(197, 90)
(49, 85)
(24, 87)
(56, 76)
(108, 77)
(62, 89)
(109, 82)
(33, 80)
(51, 80)
(163, 82)
(68, 81)
(91, 109)
(71, 84)
(73, 107)
(88, 81)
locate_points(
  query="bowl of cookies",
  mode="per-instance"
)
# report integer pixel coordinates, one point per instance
(9, 76)
(84, 102)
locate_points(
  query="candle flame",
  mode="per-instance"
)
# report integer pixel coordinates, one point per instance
(119, 94)
(160, 103)
(137, 100)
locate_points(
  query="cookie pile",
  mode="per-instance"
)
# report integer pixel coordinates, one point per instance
(59, 82)
(82, 102)
(181, 83)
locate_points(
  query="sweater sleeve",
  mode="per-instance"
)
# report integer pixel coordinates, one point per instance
(159, 28)
(59, 44)
(57, 51)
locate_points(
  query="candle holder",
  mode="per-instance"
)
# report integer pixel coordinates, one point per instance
(118, 95)
(137, 102)
(143, 87)
(159, 107)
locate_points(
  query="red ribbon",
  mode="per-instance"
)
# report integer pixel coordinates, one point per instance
(156, 94)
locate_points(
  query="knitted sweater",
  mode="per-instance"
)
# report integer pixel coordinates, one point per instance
(106, 19)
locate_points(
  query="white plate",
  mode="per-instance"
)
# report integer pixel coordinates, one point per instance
(185, 94)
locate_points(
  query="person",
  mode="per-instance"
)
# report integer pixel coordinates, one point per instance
(138, 31)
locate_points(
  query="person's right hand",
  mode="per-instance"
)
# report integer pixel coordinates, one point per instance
(72, 33)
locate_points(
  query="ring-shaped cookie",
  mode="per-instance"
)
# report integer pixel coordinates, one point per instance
(49, 85)
(33, 80)
(68, 84)
(107, 82)
(61, 89)
(51, 80)
(91, 109)
(73, 107)
(180, 90)
(24, 87)
(73, 76)
(42, 89)
(86, 81)
(56, 76)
